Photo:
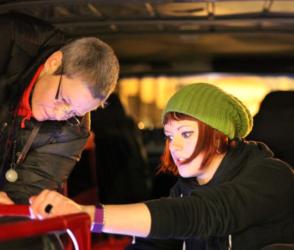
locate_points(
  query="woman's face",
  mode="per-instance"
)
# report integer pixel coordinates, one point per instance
(183, 136)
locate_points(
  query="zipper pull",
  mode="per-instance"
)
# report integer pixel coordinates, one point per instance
(3, 128)
(11, 174)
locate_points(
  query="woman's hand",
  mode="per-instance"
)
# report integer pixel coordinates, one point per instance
(50, 203)
(4, 199)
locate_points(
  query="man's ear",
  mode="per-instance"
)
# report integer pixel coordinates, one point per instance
(53, 62)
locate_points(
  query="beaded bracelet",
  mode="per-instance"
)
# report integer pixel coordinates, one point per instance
(97, 224)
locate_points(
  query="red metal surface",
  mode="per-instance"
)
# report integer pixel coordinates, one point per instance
(79, 224)
(14, 210)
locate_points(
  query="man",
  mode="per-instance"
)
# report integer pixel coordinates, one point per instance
(47, 88)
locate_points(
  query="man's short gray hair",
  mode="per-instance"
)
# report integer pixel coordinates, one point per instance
(92, 61)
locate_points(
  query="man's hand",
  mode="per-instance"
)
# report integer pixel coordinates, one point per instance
(4, 199)
(50, 203)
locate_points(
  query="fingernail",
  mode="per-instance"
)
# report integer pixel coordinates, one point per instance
(39, 216)
(32, 215)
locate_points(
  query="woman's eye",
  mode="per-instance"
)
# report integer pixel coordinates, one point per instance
(168, 137)
(187, 134)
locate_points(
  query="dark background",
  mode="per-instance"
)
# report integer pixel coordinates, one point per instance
(179, 37)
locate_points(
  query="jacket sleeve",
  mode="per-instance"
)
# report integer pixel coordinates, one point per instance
(149, 244)
(5, 44)
(253, 197)
(155, 244)
(49, 163)
(25, 38)
(26, 43)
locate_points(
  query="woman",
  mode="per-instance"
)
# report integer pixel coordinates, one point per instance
(231, 194)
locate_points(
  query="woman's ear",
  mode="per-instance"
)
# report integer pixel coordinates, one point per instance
(53, 62)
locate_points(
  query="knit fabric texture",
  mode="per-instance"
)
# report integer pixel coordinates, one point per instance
(214, 107)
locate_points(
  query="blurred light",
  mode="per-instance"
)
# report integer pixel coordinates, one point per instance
(129, 86)
(147, 90)
(141, 125)
(165, 87)
(250, 89)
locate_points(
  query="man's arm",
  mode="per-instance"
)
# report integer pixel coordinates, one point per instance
(55, 151)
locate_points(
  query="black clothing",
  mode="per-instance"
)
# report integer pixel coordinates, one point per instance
(122, 171)
(274, 123)
(27, 42)
(248, 204)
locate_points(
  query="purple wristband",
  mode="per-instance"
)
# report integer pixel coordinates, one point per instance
(97, 224)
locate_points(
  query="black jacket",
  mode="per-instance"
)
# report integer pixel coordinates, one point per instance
(248, 204)
(26, 43)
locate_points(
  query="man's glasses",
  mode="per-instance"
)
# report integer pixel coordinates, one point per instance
(73, 120)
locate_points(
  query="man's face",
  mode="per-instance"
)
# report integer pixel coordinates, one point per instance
(58, 97)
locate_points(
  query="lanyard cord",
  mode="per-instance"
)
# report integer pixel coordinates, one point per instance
(28, 144)
(11, 174)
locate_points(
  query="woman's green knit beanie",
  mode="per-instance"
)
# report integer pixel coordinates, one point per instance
(214, 107)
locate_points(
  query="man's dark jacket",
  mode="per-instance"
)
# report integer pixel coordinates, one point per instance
(26, 43)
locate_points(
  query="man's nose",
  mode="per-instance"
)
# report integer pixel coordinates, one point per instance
(60, 113)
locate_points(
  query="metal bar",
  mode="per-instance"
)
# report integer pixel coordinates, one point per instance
(111, 34)
(139, 22)
(42, 3)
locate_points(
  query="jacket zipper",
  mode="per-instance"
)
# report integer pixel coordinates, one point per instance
(2, 130)
(230, 242)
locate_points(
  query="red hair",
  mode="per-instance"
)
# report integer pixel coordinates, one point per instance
(210, 142)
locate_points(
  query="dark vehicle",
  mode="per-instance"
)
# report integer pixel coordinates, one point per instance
(176, 37)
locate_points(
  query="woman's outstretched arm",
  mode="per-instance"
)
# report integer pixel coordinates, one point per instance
(130, 219)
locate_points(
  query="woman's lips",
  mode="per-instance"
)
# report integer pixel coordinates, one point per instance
(178, 161)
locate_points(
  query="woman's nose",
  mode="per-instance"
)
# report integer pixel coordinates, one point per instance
(176, 145)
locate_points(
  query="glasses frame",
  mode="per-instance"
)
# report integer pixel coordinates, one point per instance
(74, 120)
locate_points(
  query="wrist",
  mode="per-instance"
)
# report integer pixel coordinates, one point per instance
(90, 210)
